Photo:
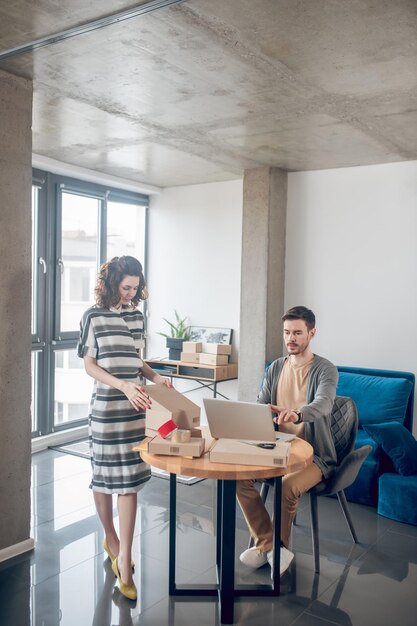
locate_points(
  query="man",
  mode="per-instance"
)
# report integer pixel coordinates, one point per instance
(300, 390)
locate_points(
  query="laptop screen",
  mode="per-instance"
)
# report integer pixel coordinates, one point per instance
(229, 419)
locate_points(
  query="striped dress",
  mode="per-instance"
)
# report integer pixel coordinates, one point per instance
(113, 337)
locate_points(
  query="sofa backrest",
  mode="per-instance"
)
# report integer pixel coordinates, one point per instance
(379, 395)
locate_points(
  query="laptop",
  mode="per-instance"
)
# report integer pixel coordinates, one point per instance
(250, 421)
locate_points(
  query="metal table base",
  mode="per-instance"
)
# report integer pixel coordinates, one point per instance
(225, 590)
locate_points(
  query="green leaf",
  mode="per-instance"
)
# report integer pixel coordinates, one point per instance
(178, 329)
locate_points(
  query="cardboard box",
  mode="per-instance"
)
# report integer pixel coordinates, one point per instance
(214, 359)
(168, 403)
(241, 453)
(190, 357)
(192, 346)
(217, 348)
(232, 370)
(194, 448)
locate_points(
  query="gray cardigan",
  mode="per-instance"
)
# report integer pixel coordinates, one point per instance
(321, 392)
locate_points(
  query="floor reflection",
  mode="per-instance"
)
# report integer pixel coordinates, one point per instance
(68, 581)
(110, 597)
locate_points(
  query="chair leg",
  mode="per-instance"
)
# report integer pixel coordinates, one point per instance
(315, 531)
(264, 494)
(345, 509)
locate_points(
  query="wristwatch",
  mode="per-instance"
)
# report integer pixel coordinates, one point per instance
(299, 415)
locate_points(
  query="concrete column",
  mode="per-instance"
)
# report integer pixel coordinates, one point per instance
(263, 274)
(15, 313)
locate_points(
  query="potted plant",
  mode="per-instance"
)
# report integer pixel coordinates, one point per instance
(179, 332)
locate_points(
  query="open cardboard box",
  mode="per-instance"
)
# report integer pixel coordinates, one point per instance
(158, 445)
(167, 404)
(245, 453)
(195, 447)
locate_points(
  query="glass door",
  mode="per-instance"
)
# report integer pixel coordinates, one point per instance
(39, 273)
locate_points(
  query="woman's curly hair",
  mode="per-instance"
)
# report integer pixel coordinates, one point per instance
(111, 275)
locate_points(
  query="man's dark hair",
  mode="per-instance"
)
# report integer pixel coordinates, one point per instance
(301, 313)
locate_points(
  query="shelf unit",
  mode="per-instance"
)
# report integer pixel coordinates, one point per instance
(195, 371)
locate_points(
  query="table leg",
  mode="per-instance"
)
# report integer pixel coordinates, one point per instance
(276, 579)
(219, 526)
(227, 557)
(172, 529)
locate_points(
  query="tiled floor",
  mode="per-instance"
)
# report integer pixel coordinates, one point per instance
(67, 580)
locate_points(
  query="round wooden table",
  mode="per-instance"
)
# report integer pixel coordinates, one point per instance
(301, 456)
(226, 475)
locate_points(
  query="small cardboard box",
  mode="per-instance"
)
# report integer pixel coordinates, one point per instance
(244, 453)
(190, 357)
(192, 346)
(194, 448)
(231, 370)
(217, 348)
(168, 403)
(214, 359)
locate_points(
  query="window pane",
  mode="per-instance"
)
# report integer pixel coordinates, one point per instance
(35, 193)
(72, 388)
(126, 230)
(79, 257)
(34, 404)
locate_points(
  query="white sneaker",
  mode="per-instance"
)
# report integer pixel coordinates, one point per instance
(286, 556)
(252, 558)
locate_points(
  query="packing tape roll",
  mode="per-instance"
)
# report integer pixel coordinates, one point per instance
(167, 428)
(181, 436)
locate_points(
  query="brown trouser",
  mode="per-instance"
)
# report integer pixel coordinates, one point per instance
(294, 485)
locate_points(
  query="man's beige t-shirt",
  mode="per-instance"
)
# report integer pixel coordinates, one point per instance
(292, 392)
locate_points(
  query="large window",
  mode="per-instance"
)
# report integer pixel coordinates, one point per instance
(76, 226)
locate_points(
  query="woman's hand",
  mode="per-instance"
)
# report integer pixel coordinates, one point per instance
(159, 380)
(136, 395)
(153, 376)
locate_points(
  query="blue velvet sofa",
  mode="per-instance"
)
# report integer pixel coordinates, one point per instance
(381, 396)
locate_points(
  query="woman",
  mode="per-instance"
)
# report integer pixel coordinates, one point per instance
(111, 338)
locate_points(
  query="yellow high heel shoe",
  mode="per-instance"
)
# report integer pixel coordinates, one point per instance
(129, 591)
(112, 556)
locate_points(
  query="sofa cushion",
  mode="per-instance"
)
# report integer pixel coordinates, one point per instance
(398, 497)
(363, 439)
(398, 443)
(378, 399)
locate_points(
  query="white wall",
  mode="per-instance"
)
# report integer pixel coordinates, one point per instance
(352, 257)
(194, 266)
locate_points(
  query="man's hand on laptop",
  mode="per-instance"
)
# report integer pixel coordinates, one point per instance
(284, 415)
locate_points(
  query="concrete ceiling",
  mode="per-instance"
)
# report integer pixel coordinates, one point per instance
(204, 89)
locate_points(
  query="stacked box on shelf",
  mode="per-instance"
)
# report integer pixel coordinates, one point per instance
(191, 351)
(217, 348)
(215, 353)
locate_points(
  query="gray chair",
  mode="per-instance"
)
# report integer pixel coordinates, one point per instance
(344, 426)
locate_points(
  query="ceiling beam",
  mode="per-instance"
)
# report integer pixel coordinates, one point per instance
(82, 29)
